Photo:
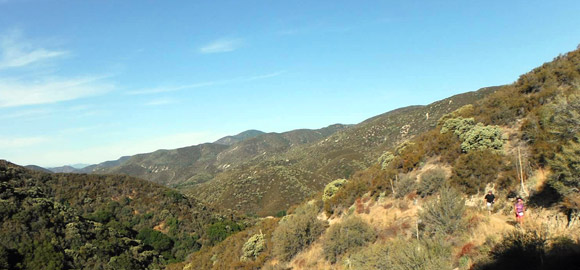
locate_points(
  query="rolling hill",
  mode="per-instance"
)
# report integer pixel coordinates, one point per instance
(72, 221)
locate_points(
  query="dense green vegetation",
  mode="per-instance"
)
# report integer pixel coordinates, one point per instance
(62, 221)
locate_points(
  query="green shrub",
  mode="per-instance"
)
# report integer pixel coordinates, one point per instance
(297, 231)
(253, 247)
(431, 181)
(375, 256)
(472, 171)
(427, 254)
(331, 188)
(158, 240)
(341, 237)
(218, 231)
(482, 137)
(458, 125)
(385, 159)
(444, 215)
(405, 185)
(346, 196)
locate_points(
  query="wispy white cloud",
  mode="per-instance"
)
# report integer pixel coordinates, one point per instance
(221, 46)
(171, 88)
(166, 89)
(22, 142)
(161, 101)
(16, 52)
(265, 76)
(17, 92)
(26, 114)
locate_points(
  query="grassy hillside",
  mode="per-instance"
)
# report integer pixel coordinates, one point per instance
(273, 181)
(61, 221)
(420, 204)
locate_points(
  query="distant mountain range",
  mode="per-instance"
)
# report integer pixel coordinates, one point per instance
(263, 173)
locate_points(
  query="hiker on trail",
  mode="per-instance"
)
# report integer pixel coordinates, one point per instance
(489, 200)
(519, 209)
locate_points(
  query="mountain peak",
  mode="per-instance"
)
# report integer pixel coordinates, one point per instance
(230, 140)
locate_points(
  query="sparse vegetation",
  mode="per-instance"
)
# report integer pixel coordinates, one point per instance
(297, 231)
(342, 237)
(444, 215)
(431, 181)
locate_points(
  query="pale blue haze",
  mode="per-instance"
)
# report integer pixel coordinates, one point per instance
(89, 81)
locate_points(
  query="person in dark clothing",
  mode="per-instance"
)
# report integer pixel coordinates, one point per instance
(489, 200)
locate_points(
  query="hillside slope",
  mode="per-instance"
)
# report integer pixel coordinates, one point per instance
(274, 181)
(190, 166)
(61, 221)
(421, 206)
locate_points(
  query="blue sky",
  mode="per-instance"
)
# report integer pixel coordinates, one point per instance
(89, 81)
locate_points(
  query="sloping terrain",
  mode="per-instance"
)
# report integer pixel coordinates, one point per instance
(271, 182)
(190, 166)
(62, 221)
(422, 206)
(229, 140)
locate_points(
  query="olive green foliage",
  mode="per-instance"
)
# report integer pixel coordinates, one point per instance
(39, 232)
(560, 123)
(473, 136)
(385, 159)
(482, 137)
(458, 125)
(218, 231)
(228, 254)
(342, 237)
(431, 181)
(346, 196)
(404, 185)
(90, 220)
(404, 254)
(158, 240)
(472, 171)
(375, 256)
(253, 247)
(427, 254)
(331, 188)
(444, 215)
(297, 231)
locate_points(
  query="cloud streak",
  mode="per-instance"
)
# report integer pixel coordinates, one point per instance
(8, 143)
(18, 53)
(15, 93)
(161, 102)
(172, 88)
(221, 46)
(166, 89)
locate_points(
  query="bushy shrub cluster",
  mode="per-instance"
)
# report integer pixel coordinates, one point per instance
(346, 196)
(331, 188)
(444, 215)
(253, 247)
(297, 231)
(431, 181)
(342, 237)
(473, 136)
(403, 254)
(472, 171)
(405, 184)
